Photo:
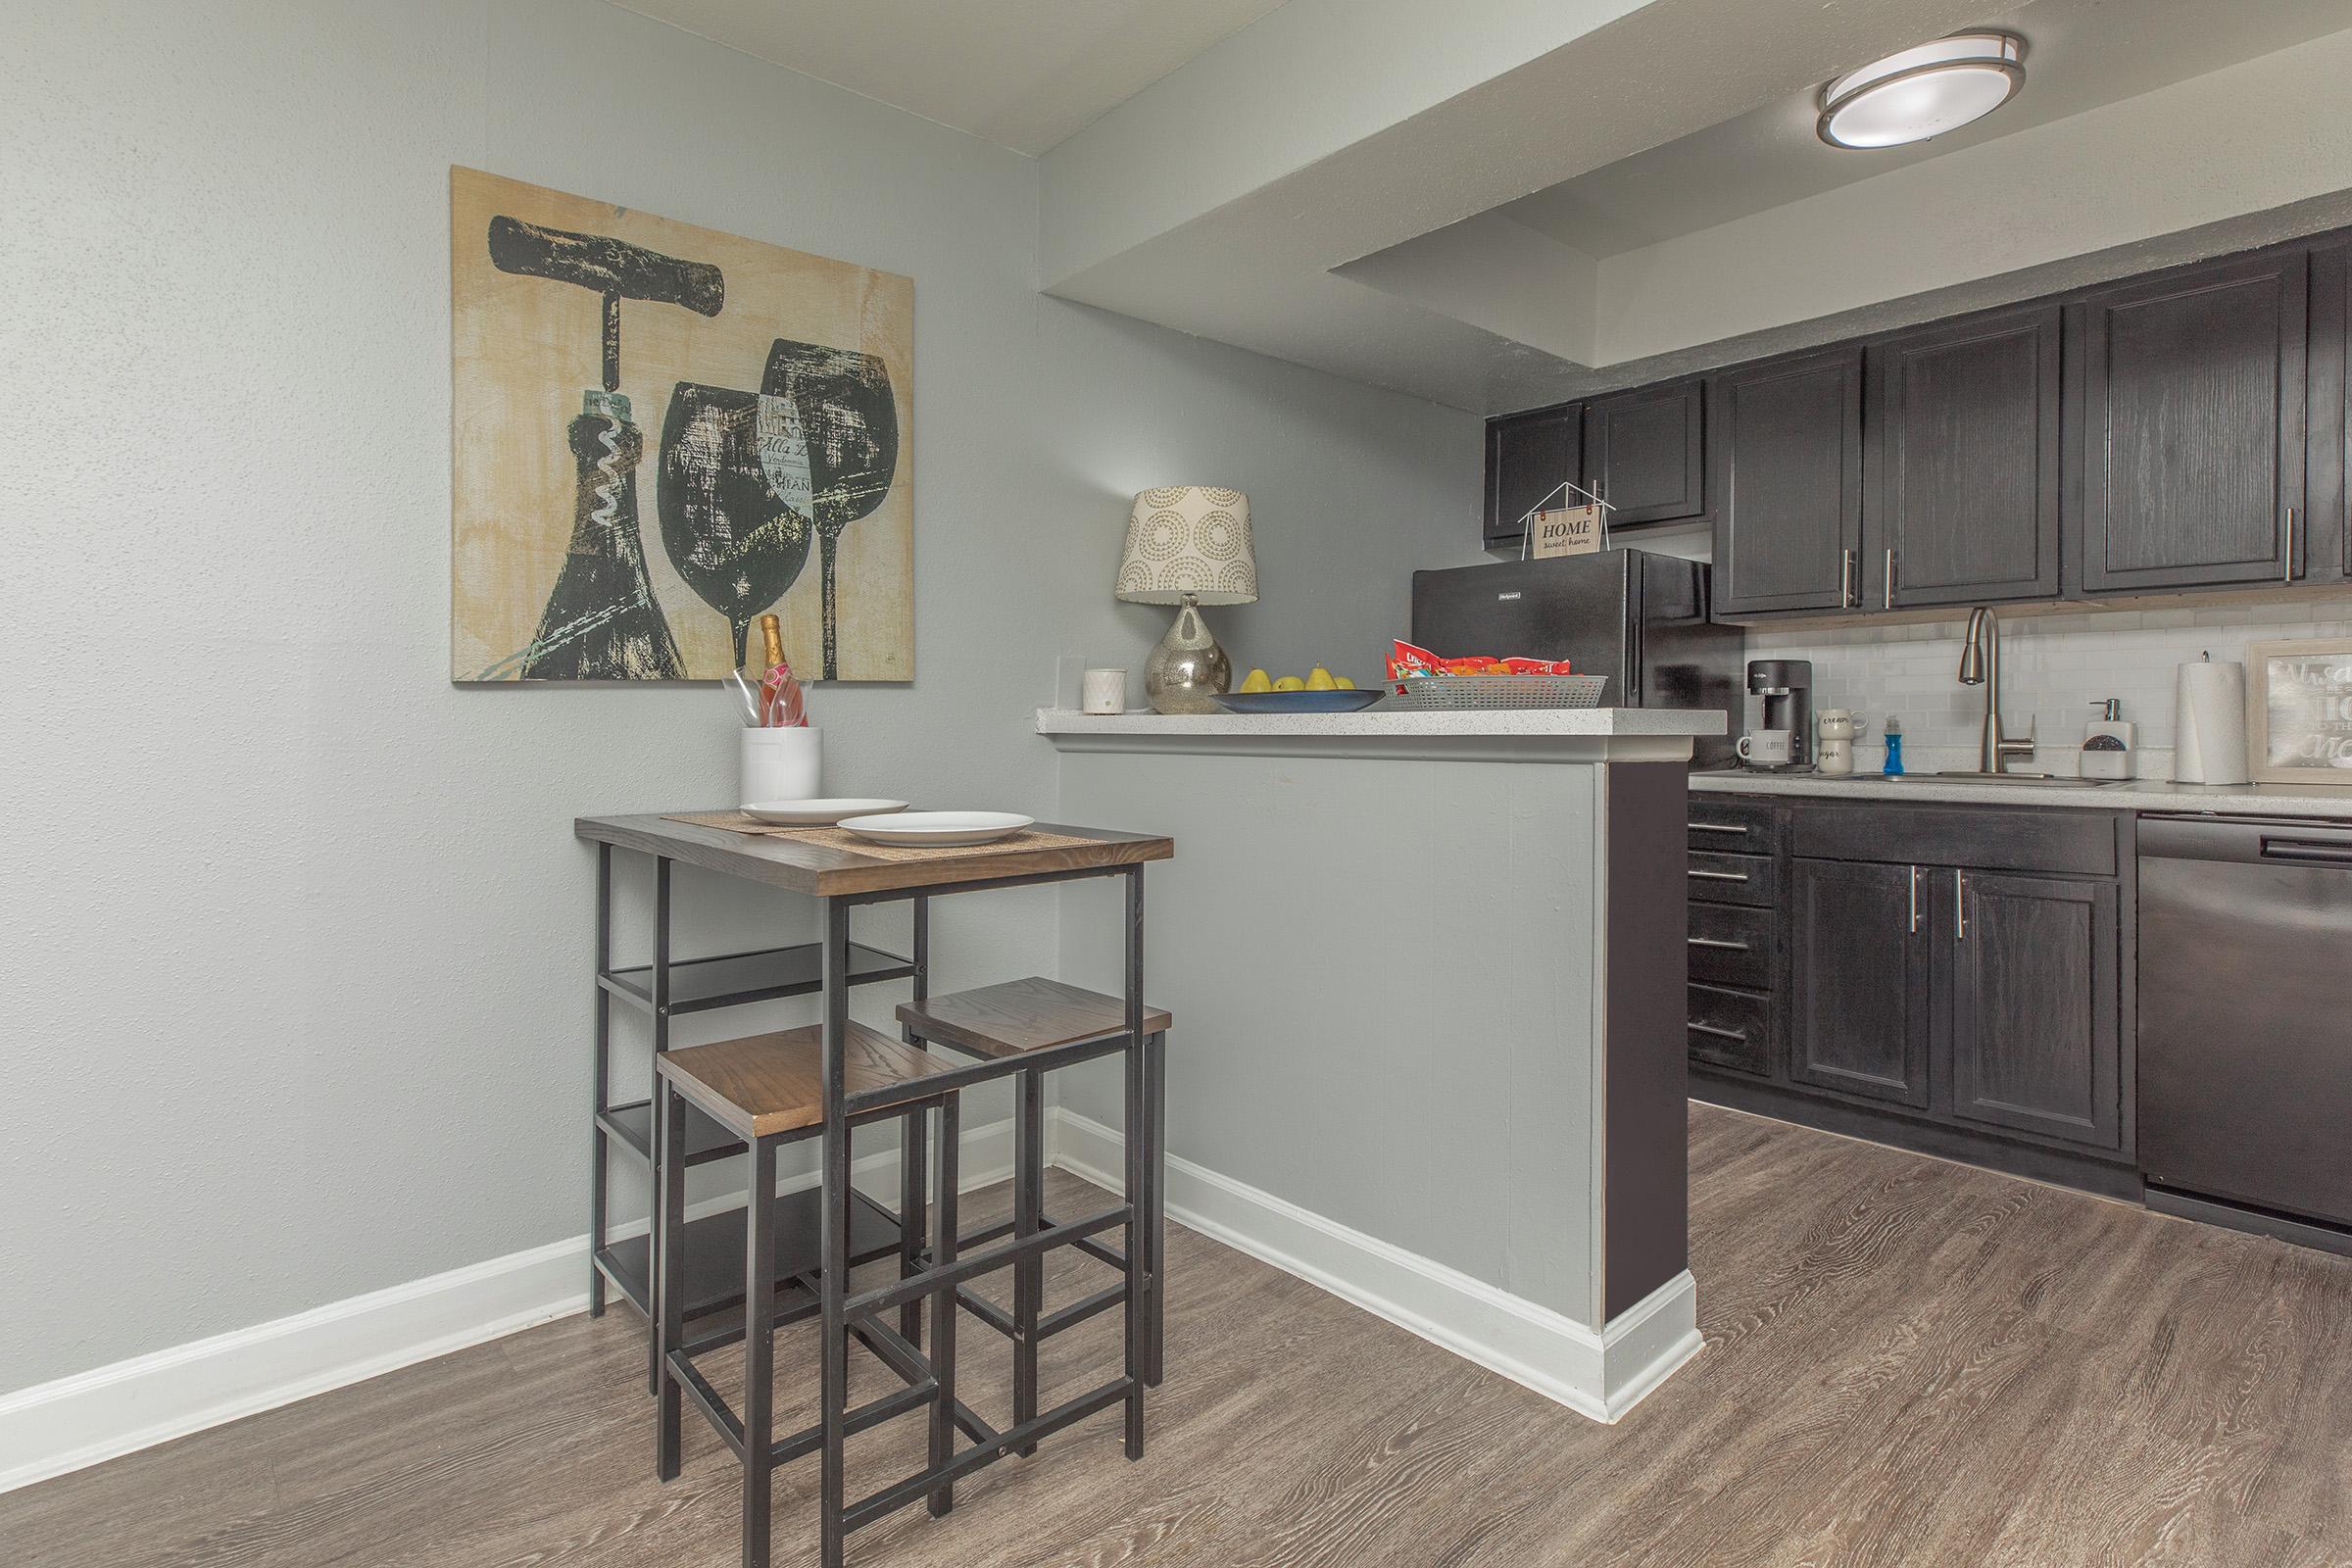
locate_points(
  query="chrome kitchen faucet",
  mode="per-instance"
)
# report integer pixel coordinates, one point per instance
(1981, 665)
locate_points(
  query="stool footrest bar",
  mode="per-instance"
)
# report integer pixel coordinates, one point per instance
(698, 1387)
(872, 1413)
(986, 1310)
(1077, 1312)
(892, 1497)
(972, 1265)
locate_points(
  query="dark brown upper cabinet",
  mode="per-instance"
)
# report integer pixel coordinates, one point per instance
(1964, 462)
(1645, 453)
(2326, 533)
(1785, 476)
(1527, 456)
(2191, 436)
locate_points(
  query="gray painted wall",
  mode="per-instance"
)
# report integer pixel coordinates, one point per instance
(297, 932)
(1381, 976)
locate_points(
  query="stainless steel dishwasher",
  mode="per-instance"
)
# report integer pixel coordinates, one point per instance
(2245, 1015)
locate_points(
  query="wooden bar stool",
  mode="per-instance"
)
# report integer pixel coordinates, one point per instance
(1027, 1028)
(769, 1091)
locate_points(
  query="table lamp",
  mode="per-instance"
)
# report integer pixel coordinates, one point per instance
(1188, 545)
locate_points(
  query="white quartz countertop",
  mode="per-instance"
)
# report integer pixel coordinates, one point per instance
(1371, 721)
(2127, 795)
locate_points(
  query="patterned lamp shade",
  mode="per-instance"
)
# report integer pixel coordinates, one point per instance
(1189, 539)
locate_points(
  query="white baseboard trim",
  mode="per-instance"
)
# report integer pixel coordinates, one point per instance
(1600, 1374)
(53, 1428)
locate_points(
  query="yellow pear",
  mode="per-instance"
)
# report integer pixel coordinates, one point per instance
(1344, 683)
(1319, 680)
(1257, 682)
(1290, 683)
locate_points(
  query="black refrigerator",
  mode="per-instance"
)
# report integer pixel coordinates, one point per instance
(1639, 618)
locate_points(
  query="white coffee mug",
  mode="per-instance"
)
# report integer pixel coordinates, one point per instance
(1764, 747)
(1103, 690)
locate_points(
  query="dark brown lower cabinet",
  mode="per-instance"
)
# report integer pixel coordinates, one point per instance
(1859, 980)
(1972, 999)
(2034, 1006)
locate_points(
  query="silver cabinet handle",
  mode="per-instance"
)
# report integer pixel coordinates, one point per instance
(1740, 1034)
(1718, 828)
(1915, 901)
(1887, 584)
(1719, 942)
(1960, 906)
(2291, 544)
(1845, 579)
(1717, 876)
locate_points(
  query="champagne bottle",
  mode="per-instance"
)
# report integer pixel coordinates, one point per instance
(780, 700)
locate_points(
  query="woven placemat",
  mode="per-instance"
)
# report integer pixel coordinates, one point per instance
(835, 839)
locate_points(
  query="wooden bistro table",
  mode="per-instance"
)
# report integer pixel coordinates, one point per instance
(819, 1236)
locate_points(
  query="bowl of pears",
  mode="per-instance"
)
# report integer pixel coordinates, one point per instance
(1318, 691)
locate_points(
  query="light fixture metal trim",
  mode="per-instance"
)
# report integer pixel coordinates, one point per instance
(1981, 51)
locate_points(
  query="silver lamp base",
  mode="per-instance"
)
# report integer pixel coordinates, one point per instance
(1187, 669)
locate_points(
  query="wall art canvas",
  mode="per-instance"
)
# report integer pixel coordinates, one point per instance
(662, 432)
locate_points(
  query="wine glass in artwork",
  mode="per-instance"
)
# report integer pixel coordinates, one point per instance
(735, 499)
(849, 421)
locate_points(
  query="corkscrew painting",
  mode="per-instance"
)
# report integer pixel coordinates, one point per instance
(664, 432)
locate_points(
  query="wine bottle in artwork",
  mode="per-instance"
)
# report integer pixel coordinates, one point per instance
(602, 621)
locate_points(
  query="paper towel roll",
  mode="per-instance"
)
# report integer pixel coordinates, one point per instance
(2210, 724)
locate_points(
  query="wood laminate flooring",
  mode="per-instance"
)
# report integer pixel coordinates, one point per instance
(1907, 1362)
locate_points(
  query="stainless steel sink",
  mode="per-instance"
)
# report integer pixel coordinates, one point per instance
(2047, 780)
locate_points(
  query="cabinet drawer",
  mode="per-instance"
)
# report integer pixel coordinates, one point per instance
(1731, 1029)
(1730, 945)
(1732, 878)
(1730, 825)
(1996, 838)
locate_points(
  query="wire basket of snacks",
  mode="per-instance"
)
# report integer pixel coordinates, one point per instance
(1419, 681)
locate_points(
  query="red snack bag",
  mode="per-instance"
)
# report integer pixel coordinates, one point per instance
(1404, 660)
(1537, 666)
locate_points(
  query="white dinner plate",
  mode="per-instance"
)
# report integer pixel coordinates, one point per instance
(817, 814)
(938, 827)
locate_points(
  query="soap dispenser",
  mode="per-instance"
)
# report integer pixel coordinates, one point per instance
(2108, 741)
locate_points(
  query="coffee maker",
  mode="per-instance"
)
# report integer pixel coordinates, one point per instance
(1786, 687)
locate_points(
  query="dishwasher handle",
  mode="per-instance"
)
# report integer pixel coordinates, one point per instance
(2246, 841)
(2307, 852)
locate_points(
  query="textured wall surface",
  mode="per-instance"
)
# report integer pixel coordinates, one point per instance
(298, 936)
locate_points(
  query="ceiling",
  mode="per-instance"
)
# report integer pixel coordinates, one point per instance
(2079, 55)
(1022, 74)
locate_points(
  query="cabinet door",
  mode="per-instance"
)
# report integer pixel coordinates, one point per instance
(2034, 1006)
(1644, 454)
(2191, 434)
(1527, 456)
(1963, 502)
(2324, 545)
(1859, 979)
(1784, 474)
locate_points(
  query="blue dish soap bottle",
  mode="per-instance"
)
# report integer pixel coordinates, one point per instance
(1894, 747)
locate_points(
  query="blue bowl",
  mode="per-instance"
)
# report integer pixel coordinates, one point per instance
(1341, 702)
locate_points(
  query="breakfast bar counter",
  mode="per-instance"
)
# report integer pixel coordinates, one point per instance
(1431, 974)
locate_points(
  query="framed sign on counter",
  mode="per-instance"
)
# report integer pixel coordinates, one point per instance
(2299, 716)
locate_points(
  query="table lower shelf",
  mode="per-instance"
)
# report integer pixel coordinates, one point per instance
(730, 979)
(714, 1251)
(633, 1125)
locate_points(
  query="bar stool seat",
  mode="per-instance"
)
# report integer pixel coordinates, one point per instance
(764, 1085)
(1019, 1016)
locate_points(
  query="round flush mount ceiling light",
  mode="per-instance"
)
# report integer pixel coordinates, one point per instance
(1923, 92)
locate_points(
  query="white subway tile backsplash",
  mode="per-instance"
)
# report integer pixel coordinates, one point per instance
(2053, 668)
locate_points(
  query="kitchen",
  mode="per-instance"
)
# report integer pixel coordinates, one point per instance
(1817, 1039)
